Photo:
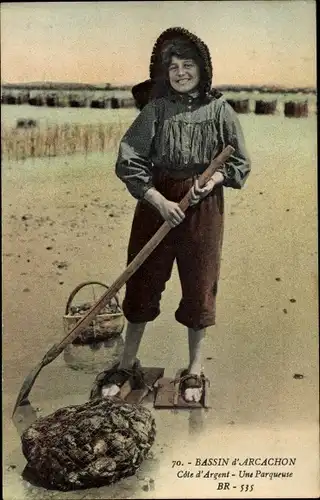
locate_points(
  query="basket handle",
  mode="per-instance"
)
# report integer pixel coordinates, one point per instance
(82, 285)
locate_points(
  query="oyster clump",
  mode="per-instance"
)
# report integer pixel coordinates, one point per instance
(94, 444)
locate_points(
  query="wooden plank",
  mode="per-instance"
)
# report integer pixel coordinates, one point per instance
(151, 375)
(167, 395)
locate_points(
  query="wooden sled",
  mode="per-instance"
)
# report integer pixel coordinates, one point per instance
(135, 396)
(168, 394)
(151, 375)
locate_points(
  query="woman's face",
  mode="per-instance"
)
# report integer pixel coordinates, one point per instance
(184, 75)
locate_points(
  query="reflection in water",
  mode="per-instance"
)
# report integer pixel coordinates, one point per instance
(95, 357)
(196, 421)
(148, 471)
(149, 485)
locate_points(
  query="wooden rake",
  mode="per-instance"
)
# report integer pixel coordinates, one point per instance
(144, 253)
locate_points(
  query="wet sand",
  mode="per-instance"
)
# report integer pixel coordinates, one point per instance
(67, 220)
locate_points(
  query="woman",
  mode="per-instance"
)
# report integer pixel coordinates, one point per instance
(173, 140)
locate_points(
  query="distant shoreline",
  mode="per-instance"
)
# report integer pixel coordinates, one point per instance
(84, 86)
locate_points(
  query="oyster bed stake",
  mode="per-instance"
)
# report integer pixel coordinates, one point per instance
(94, 444)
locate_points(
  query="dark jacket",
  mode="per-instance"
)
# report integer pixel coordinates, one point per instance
(180, 132)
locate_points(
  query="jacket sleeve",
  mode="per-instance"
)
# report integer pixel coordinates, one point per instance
(134, 166)
(238, 166)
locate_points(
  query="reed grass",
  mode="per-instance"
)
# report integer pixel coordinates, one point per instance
(60, 140)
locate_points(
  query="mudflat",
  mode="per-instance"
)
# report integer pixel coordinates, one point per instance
(67, 220)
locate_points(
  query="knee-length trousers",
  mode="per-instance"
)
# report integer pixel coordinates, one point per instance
(195, 245)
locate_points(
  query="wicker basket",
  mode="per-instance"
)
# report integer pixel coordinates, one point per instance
(103, 327)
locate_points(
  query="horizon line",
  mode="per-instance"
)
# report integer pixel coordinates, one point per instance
(115, 85)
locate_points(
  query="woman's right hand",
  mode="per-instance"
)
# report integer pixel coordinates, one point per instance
(171, 212)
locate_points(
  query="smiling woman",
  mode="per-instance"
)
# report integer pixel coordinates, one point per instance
(183, 64)
(184, 75)
(185, 125)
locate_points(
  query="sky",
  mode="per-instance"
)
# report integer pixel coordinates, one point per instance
(252, 42)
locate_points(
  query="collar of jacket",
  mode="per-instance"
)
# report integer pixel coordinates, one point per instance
(184, 98)
(193, 99)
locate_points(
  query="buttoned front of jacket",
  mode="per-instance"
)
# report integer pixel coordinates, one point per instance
(181, 133)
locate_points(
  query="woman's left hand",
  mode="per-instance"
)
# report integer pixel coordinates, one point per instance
(197, 193)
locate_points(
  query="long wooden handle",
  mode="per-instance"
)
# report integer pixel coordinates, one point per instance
(142, 255)
(56, 349)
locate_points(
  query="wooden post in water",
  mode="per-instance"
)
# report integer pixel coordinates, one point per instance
(51, 100)
(296, 109)
(239, 105)
(114, 103)
(127, 103)
(265, 107)
(97, 103)
(11, 99)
